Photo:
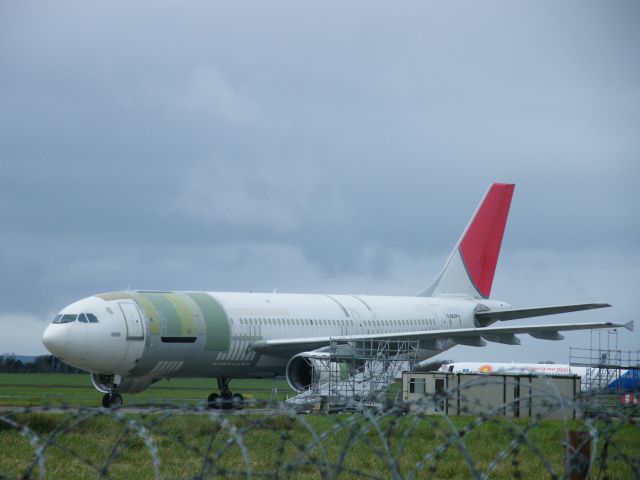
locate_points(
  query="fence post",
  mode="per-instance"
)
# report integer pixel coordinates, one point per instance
(577, 455)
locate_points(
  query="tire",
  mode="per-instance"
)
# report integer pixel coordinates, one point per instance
(214, 401)
(111, 400)
(227, 401)
(238, 401)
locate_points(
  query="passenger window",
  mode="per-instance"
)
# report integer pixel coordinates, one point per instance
(82, 318)
(92, 318)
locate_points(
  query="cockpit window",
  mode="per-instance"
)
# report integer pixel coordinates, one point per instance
(72, 317)
(68, 318)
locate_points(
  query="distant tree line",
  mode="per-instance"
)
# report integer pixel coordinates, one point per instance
(41, 364)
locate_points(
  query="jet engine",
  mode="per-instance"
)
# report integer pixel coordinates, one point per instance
(313, 367)
(110, 384)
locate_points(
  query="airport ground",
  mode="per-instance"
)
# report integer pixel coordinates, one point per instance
(38, 389)
(93, 443)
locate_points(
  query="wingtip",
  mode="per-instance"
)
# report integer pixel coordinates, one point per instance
(629, 326)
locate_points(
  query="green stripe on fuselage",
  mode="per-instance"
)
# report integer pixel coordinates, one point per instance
(187, 322)
(166, 309)
(176, 314)
(152, 313)
(197, 314)
(216, 321)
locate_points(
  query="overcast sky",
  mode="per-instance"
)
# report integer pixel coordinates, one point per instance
(335, 147)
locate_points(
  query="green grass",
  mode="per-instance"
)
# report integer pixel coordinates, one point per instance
(94, 442)
(38, 389)
(281, 446)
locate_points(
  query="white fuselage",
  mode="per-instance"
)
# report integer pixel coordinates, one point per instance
(539, 369)
(594, 377)
(174, 334)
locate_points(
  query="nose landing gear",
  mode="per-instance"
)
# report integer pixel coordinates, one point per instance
(111, 399)
(225, 400)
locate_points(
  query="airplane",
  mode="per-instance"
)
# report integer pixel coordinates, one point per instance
(602, 377)
(128, 340)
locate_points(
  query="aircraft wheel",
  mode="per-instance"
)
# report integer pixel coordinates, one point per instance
(227, 400)
(214, 401)
(111, 400)
(237, 401)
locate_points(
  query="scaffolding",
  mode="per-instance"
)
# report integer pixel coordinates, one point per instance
(356, 375)
(606, 367)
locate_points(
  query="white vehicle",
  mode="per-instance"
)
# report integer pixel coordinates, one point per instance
(128, 340)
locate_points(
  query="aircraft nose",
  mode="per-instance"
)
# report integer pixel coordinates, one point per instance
(55, 339)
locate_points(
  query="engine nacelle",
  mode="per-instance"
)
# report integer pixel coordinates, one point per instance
(110, 384)
(308, 368)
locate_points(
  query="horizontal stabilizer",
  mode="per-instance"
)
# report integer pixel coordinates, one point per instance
(489, 316)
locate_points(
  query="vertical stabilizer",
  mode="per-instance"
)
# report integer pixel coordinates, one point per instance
(470, 268)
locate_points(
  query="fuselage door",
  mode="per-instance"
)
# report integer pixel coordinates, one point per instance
(355, 315)
(440, 317)
(133, 319)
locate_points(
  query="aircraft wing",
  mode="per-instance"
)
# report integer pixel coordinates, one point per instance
(488, 316)
(435, 338)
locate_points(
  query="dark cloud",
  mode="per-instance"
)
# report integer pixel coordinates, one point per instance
(325, 147)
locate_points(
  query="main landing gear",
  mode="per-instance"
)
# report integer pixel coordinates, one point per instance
(111, 400)
(225, 399)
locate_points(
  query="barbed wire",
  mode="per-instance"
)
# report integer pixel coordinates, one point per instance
(398, 439)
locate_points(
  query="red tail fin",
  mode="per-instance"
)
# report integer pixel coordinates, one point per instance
(480, 245)
(472, 264)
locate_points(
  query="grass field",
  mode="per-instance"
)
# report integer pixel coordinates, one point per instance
(38, 389)
(95, 443)
(353, 446)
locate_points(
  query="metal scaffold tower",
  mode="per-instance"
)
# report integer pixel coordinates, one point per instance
(357, 375)
(605, 364)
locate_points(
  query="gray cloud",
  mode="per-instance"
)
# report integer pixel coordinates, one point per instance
(317, 148)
